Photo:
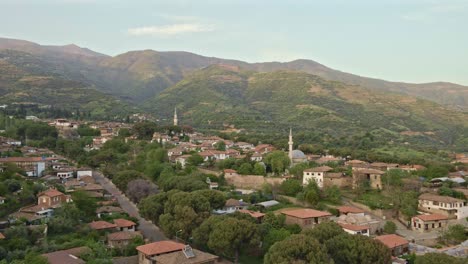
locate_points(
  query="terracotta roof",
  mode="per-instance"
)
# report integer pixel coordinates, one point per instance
(234, 202)
(333, 175)
(179, 257)
(50, 193)
(123, 235)
(392, 241)
(368, 171)
(125, 260)
(349, 209)
(23, 159)
(319, 169)
(160, 247)
(252, 213)
(439, 198)
(68, 256)
(2, 236)
(432, 217)
(306, 213)
(124, 222)
(354, 227)
(99, 225)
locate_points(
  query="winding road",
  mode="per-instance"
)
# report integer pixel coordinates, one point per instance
(147, 228)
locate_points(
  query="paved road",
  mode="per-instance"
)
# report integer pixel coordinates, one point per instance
(147, 228)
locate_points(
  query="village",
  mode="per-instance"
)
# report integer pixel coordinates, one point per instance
(305, 190)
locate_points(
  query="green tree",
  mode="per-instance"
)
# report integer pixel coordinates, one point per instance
(152, 206)
(195, 159)
(291, 187)
(245, 169)
(297, 249)
(324, 231)
(274, 235)
(85, 203)
(332, 194)
(220, 145)
(216, 198)
(122, 178)
(259, 169)
(353, 249)
(278, 161)
(228, 237)
(390, 227)
(454, 234)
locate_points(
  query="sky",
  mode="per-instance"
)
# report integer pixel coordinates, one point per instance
(398, 40)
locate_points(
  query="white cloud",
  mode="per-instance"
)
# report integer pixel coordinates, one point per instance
(170, 30)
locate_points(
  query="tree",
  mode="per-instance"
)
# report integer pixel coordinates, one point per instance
(122, 178)
(274, 235)
(454, 234)
(332, 194)
(355, 249)
(297, 249)
(390, 227)
(259, 169)
(84, 203)
(220, 145)
(291, 187)
(312, 193)
(278, 161)
(216, 198)
(139, 189)
(152, 206)
(438, 258)
(228, 237)
(144, 130)
(195, 159)
(245, 169)
(324, 231)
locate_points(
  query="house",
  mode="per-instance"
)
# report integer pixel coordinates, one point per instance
(384, 166)
(121, 239)
(315, 174)
(264, 149)
(372, 177)
(82, 172)
(356, 163)
(170, 252)
(397, 244)
(426, 223)
(182, 160)
(34, 165)
(2, 200)
(257, 215)
(267, 204)
(336, 179)
(2, 236)
(256, 157)
(125, 225)
(68, 256)
(449, 206)
(244, 145)
(360, 219)
(356, 229)
(344, 210)
(65, 174)
(102, 225)
(108, 210)
(233, 205)
(306, 218)
(52, 198)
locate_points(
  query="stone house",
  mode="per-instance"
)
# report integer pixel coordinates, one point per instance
(121, 239)
(397, 244)
(372, 177)
(449, 206)
(427, 223)
(306, 217)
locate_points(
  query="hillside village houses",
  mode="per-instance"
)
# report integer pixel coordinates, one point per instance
(448, 206)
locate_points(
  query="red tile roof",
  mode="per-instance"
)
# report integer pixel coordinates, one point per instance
(252, 213)
(99, 225)
(432, 217)
(392, 241)
(124, 235)
(306, 213)
(349, 209)
(23, 159)
(160, 247)
(51, 193)
(354, 227)
(124, 223)
(2, 236)
(319, 169)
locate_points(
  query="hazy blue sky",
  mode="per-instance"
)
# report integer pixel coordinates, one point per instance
(399, 40)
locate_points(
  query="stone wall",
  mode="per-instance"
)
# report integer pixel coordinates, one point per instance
(251, 181)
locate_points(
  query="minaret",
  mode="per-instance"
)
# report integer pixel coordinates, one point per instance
(290, 142)
(175, 117)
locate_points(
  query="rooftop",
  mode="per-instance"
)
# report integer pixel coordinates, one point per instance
(179, 257)
(319, 169)
(439, 198)
(253, 213)
(392, 241)
(100, 225)
(123, 235)
(124, 222)
(354, 227)
(51, 193)
(160, 247)
(432, 217)
(349, 209)
(306, 213)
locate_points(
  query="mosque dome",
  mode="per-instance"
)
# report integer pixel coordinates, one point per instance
(297, 154)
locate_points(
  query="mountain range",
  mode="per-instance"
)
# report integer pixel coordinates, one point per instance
(216, 92)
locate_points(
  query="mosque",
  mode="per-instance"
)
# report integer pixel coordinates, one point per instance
(296, 156)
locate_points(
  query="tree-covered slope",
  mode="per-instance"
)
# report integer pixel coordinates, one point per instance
(224, 95)
(24, 78)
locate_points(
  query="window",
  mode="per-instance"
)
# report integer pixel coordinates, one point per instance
(433, 225)
(419, 225)
(440, 224)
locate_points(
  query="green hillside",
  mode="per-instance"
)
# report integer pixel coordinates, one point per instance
(217, 96)
(24, 78)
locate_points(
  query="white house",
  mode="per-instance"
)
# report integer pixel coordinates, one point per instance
(65, 174)
(82, 172)
(449, 206)
(355, 229)
(315, 174)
